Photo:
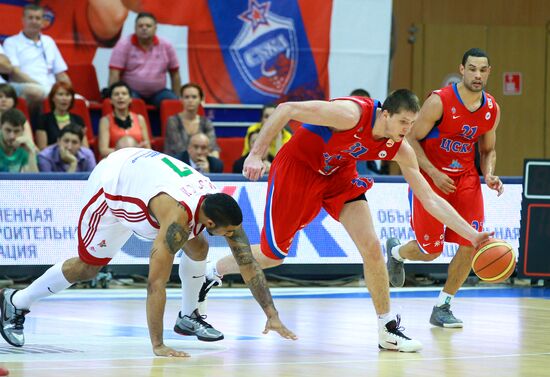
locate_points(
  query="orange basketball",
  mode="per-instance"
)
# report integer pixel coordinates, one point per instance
(494, 261)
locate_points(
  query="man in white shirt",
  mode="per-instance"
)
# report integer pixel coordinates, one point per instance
(36, 56)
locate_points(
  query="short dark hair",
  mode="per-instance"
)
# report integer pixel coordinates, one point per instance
(119, 84)
(476, 52)
(72, 128)
(14, 117)
(32, 7)
(192, 85)
(222, 209)
(146, 15)
(401, 100)
(360, 92)
(9, 92)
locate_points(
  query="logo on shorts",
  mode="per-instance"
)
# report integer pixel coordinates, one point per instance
(266, 49)
(103, 243)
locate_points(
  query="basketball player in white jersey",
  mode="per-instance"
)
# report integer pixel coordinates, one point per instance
(143, 192)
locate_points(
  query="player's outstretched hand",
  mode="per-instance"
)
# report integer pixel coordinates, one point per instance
(481, 237)
(163, 350)
(275, 324)
(253, 167)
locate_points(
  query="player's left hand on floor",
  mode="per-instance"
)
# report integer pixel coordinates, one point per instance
(169, 352)
(275, 324)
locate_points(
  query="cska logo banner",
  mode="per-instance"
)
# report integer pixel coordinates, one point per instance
(268, 54)
(265, 50)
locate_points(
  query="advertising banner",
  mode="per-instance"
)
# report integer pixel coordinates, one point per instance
(38, 222)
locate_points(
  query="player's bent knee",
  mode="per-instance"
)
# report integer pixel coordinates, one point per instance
(76, 269)
(197, 248)
(266, 261)
(370, 249)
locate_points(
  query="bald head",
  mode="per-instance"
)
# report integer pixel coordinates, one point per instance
(199, 146)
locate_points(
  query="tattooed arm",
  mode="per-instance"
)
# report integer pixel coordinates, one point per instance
(255, 279)
(173, 233)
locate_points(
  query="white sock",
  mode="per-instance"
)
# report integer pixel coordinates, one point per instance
(192, 276)
(383, 319)
(52, 281)
(444, 298)
(395, 253)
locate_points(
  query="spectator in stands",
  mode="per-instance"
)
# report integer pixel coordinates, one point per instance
(68, 154)
(8, 100)
(181, 126)
(31, 91)
(126, 141)
(277, 143)
(360, 93)
(251, 138)
(197, 156)
(121, 121)
(37, 57)
(17, 150)
(142, 61)
(61, 99)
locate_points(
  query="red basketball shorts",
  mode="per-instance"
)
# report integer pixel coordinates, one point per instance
(295, 195)
(467, 200)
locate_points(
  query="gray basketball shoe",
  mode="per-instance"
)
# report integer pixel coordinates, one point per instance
(196, 325)
(442, 316)
(11, 319)
(396, 270)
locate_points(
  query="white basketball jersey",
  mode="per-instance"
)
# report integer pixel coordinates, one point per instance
(135, 176)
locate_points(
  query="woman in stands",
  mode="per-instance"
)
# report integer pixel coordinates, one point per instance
(121, 122)
(61, 100)
(276, 144)
(8, 100)
(182, 126)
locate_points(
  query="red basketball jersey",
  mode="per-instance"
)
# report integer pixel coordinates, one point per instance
(326, 151)
(450, 144)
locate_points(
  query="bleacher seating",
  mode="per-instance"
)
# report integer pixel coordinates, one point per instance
(84, 80)
(231, 150)
(23, 107)
(168, 107)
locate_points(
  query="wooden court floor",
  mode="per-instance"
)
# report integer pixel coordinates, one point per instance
(100, 333)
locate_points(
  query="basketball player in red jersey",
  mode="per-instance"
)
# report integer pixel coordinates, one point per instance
(450, 122)
(316, 169)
